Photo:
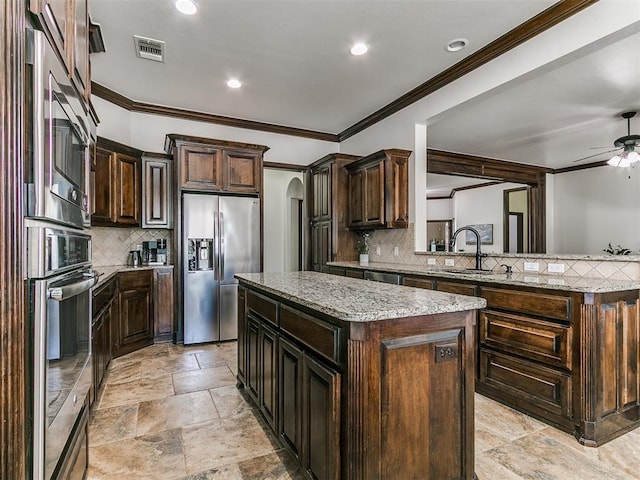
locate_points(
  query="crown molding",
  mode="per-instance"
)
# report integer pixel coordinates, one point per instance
(141, 107)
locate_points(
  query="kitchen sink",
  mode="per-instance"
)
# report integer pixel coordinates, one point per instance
(466, 271)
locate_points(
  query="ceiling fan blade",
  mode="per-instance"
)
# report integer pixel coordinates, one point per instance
(599, 148)
(596, 155)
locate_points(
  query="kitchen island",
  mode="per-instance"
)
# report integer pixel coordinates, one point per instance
(361, 380)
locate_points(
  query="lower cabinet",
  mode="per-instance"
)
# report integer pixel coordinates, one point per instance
(163, 304)
(105, 313)
(309, 408)
(268, 369)
(134, 328)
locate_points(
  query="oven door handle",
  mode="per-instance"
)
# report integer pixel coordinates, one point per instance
(68, 291)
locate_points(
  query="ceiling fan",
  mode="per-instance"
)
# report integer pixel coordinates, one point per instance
(626, 146)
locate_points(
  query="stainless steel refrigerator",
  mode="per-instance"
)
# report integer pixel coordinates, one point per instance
(221, 237)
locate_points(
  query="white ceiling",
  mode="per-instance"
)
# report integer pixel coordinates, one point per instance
(292, 55)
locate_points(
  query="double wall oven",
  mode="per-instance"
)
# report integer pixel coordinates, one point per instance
(57, 256)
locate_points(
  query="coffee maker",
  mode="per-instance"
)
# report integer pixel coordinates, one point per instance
(154, 252)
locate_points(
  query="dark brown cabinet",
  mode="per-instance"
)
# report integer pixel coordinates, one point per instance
(67, 23)
(320, 420)
(163, 310)
(105, 313)
(157, 191)
(330, 238)
(242, 335)
(290, 396)
(75, 465)
(216, 165)
(135, 320)
(378, 190)
(116, 184)
(357, 400)
(268, 370)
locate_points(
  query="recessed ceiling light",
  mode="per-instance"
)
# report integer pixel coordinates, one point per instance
(457, 44)
(234, 83)
(359, 49)
(188, 7)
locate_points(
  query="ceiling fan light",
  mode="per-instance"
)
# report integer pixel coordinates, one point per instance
(633, 156)
(186, 7)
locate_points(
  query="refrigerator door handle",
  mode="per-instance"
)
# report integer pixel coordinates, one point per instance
(216, 275)
(221, 246)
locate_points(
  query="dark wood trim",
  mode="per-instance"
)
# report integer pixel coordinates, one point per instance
(459, 189)
(119, 147)
(285, 166)
(452, 163)
(575, 168)
(546, 19)
(141, 107)
(172, 139)
(164, 156)
(15, 404)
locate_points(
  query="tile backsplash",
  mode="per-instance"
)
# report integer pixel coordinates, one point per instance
(598, 266)
(111, 246)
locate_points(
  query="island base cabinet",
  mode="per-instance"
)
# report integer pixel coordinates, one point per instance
(290, 398)
(320, 421)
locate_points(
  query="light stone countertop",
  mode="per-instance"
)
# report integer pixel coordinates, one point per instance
(355, 300)
(555, 282)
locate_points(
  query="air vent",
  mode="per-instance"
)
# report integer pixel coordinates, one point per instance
(149, 48)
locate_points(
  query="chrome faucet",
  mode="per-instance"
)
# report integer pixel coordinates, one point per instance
(479, 254)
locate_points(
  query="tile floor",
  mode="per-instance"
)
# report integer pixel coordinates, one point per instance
(171, 412)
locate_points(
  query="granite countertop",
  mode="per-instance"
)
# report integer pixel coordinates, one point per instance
(356, 300)
(555, 282)
(108, 271)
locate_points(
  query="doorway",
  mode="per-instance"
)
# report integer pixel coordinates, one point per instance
(516, 220)
(294, 246)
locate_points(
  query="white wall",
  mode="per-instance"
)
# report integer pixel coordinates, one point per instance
(594, 207)
(440, 209)
(479, 206)
(276, 221)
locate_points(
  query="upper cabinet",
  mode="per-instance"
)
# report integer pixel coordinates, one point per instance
(67, 25)
(157, 191)
(379, 189)
(216, 165)
(115, 184)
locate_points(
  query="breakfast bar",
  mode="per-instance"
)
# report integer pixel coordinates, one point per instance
(359, 379)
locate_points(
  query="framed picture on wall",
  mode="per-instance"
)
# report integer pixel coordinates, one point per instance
(486, 234)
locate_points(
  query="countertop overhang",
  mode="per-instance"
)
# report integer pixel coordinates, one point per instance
(355, 300)
(106, 272)
(555, 282)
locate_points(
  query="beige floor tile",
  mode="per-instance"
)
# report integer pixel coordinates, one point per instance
(497, 424)
(274, 466)
(124, 372)
(175, 411)
(112, 424)
(538, 456)
(170, 363)
(224, 441)
(203, 379)
(137, 391)
(214, 357)
(157, 456)
(228, 401)
(225, 472)
(489, 469)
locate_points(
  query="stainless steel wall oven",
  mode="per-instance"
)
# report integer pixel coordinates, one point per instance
(59, 285)
(57, 254)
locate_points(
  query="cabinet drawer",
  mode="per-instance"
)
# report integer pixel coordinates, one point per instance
(457, 288)
(103, 295)
(536, 339)
(320, 336)
(527, 384)
(354, 273)
(135, 279)
(418, 282)
(550, 306)
(263, 307)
